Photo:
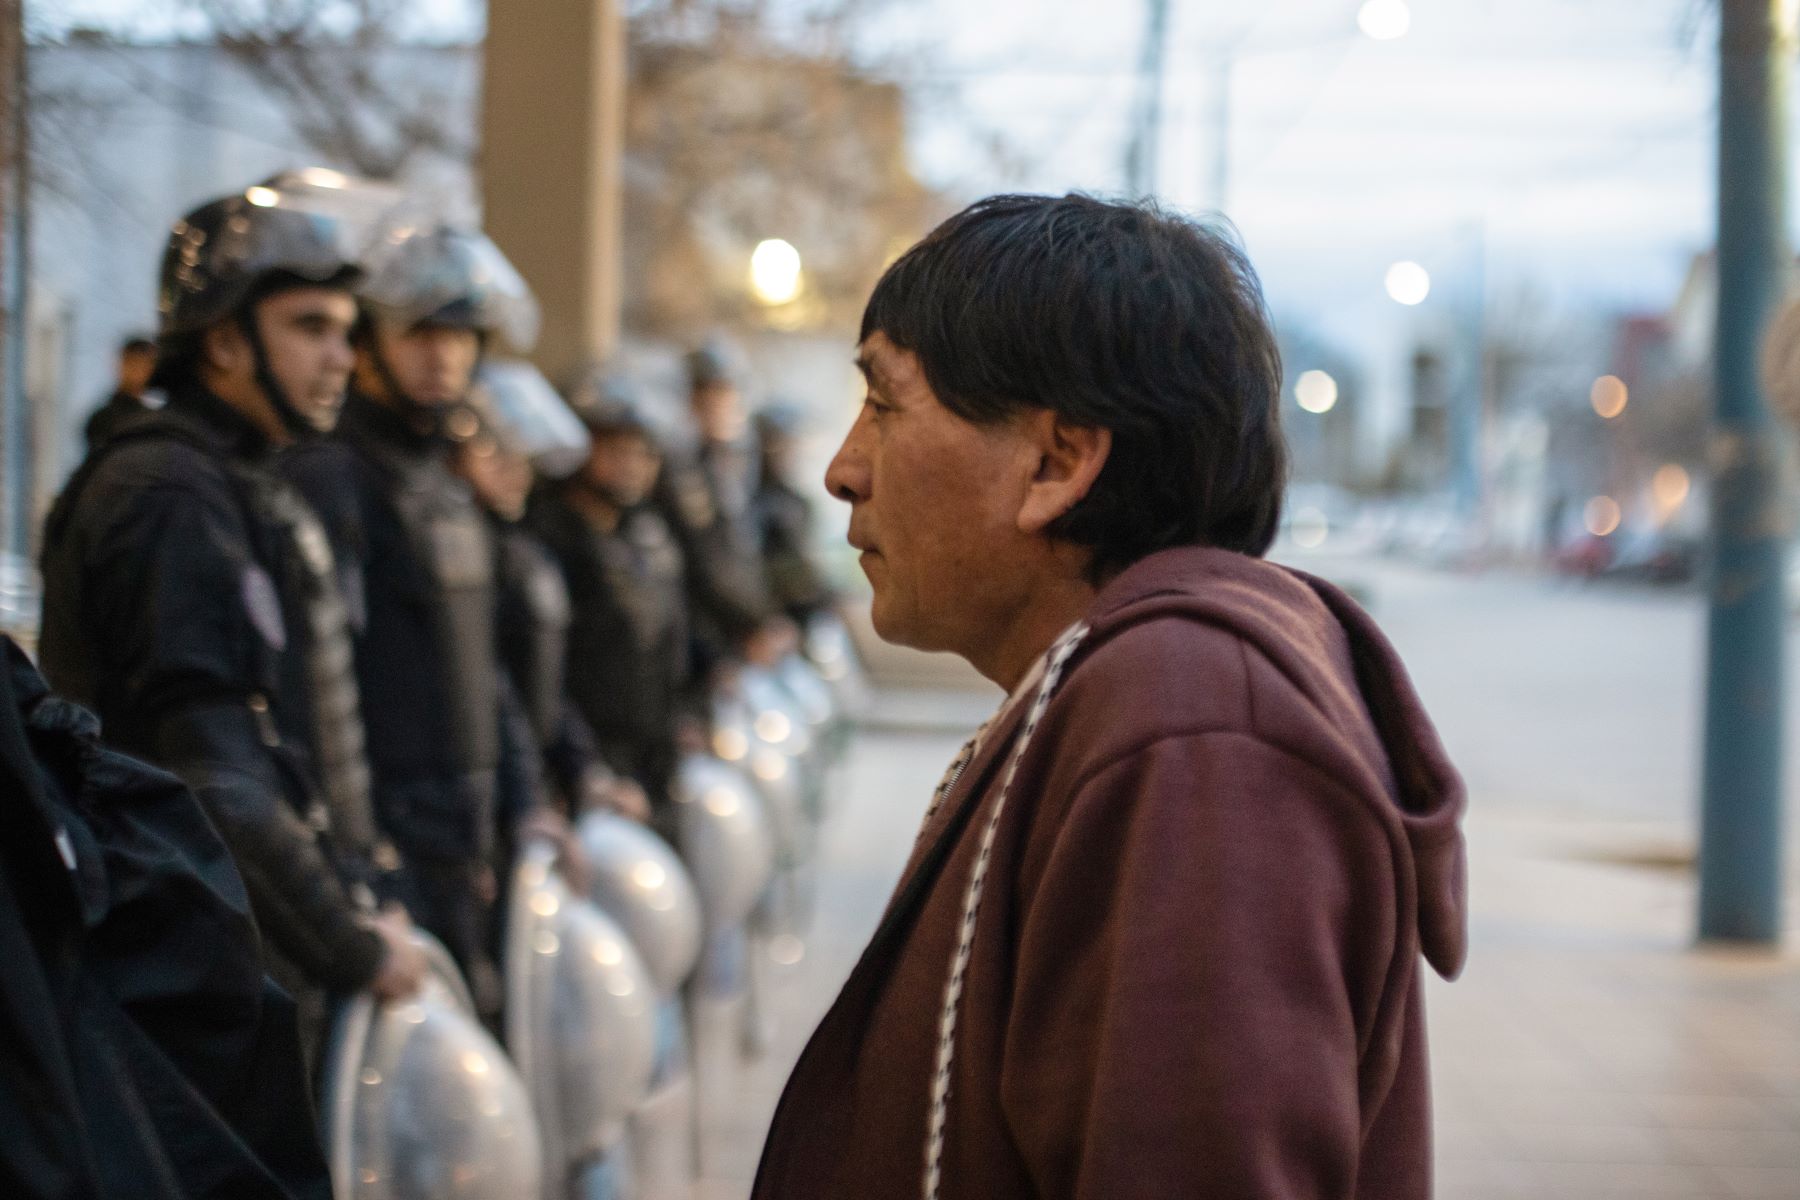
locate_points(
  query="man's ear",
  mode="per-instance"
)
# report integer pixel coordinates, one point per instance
(1069, 460)
(223, 346)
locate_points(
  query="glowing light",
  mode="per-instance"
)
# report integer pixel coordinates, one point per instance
(324, 177)
(474, 1063)
(545, 904)
(1609, 396)
(371, 1077)
(730, 744)
(262, 197)
(775, 272)
(546, 943)
(1603, 516)
(1310, 528)
(1669, 489)
(787, 949)
(1384, 20)
(1316, 391)
(721, 802)
(609, 954)
(769, 766)
(649, 875)
(773, 726)
(1408, 283)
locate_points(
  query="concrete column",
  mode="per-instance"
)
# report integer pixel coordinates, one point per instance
(552, 137)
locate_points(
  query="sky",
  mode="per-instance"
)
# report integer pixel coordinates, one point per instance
(1558, 152)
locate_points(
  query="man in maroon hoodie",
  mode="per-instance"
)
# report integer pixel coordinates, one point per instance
(1161, 932)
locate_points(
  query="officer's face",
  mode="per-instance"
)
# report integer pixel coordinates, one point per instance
(432, 364)
(719, 412)
(623, 466)
(306, 337)
(135, 369)
(934, 508)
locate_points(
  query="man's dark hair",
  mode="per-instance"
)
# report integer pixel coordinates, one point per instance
(1114, 316)
(136, 344)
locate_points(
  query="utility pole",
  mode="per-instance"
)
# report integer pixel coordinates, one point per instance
(16, 473)
(1740, 827)
(1144, 153)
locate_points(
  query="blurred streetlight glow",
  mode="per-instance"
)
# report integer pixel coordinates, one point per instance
(1384, 20)
(775, 271)
(1316, 391)
(1609, 396)
(1408, 283)
(1310, 528)
(262, 197)
(1603, 516)
(1669, 488)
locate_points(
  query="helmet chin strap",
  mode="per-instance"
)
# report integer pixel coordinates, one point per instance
(296, 424)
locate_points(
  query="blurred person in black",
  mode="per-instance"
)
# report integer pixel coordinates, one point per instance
(149, 1056)
(707, 495)
(785, 517)
(191, 599)
(137, 362)
(443, 738)
(495, 444)
(628, 638)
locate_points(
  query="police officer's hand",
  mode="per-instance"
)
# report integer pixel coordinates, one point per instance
(773, 641)
(571, 860)
(403, 965)
(626, 797)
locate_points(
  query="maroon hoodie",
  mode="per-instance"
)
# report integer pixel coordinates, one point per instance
(1194, 968)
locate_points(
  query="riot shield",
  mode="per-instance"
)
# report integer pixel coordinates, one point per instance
(420, 1103)
(581, 1022)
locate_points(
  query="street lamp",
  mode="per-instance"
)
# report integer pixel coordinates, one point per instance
(775, 272)
(1408, 283)
(1316, 391)
(1384, 20)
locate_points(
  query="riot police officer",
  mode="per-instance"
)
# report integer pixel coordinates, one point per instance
(191, 598)
(628, 640)
(516, 422)
(785, 518)
(707, 496)
(423, 579)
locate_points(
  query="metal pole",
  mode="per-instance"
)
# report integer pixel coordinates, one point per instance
(15, 430)
(1143, 156)
(1468, 403)
(1740, 827)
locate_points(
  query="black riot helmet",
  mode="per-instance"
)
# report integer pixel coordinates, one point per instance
(299, 229)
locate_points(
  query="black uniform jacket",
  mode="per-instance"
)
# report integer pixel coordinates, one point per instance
(442, 730)
(162, 612)
(146, 1054)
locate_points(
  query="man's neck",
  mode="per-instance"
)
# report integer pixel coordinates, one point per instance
(594, 508)
(250, 404)
(1049, 610)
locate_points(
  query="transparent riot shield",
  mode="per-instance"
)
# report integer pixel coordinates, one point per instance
(420, 1103)
(581, 1021)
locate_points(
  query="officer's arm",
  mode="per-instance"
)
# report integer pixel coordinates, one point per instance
(168, 584)
(717, 585)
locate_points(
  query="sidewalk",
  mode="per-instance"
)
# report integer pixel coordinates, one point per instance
(1588, 1051)
(1591, 1051)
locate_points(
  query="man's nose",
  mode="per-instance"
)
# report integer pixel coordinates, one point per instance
(847, 477)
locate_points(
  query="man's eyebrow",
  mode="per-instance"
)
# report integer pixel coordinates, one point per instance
(864, 365)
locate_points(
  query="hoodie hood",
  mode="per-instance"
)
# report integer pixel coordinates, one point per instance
(1350, 675)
